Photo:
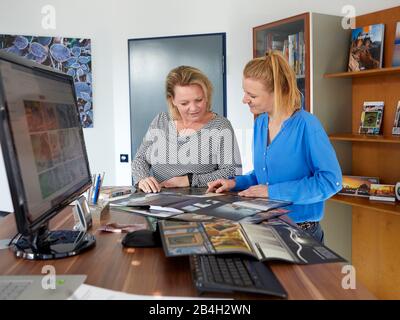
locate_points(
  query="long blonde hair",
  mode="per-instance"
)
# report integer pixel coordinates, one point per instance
(185, 76)
(278, 77)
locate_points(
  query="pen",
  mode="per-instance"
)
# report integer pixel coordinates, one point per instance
(96, 189)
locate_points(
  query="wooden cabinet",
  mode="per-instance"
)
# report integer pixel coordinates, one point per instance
(291, 37)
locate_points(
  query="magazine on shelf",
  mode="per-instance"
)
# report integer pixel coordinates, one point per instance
(366, 48)
(225, 206)
(275, 240)
(396, 49)
(396, 124)
(357, 185)
(371, 117)
(383, 192)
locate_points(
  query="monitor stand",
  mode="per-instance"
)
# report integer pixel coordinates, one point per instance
(45, 244)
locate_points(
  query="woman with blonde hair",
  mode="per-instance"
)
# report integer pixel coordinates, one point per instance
(293, 157)
(190, 145)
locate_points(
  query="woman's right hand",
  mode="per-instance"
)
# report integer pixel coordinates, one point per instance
(221, 185)
(149, 185)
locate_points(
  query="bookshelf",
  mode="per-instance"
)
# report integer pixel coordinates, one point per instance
(291, 37)
(365, 73)
(355, 137)
(386, 207)
(375, 225)
(365, 232)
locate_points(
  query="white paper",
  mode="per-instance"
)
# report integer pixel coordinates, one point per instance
(88, 292)
(4, 243)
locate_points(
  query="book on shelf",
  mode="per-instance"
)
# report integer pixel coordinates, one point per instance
(396, 124)
(358, 186)
(366, 47)
(292, 46)
(225, 206)
(382, 192)
(275, 240)
(396, 49)
(371, 117)
(296, 53)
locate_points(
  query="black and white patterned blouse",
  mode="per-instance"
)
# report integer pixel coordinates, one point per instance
(209, 153)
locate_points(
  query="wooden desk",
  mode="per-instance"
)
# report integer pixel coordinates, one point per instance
(147, 271)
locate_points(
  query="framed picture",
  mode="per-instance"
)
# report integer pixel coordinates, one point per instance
(69, 55)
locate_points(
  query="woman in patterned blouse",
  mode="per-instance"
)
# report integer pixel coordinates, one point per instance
(190, 145)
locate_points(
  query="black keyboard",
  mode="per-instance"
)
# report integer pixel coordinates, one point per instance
(234, 274)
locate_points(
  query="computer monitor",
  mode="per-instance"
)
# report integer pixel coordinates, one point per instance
(44, 154)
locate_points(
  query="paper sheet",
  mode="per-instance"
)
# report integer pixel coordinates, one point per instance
(4, 243)
(88, 292)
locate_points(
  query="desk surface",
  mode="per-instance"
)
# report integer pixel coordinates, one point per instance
(147, 271)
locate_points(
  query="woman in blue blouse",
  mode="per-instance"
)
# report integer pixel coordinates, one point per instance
(293, 157)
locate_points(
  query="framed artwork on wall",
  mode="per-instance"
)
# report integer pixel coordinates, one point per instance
(69, 55)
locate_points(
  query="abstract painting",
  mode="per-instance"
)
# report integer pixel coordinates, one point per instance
(68, 55)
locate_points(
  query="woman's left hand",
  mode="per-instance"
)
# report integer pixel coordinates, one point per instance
(176, 182)
(258, 191)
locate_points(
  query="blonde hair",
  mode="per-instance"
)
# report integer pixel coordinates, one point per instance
(278, 77)
(185, 76)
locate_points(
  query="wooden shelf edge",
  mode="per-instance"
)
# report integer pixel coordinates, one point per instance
(365, 73)
(364, 138)
(391, 208)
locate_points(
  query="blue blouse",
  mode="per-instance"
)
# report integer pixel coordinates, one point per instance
(299, 165)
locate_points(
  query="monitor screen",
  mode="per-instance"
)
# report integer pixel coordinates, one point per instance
(46, 137)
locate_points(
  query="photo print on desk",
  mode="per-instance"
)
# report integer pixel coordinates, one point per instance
(69, 55)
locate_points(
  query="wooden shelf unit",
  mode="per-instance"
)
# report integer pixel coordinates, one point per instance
(375, 225)
(355, 137)
(365, 73)
(381, 206)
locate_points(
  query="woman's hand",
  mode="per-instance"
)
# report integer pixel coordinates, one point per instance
(221, 185)
(149, 185)
(176, 182)
(258, 191)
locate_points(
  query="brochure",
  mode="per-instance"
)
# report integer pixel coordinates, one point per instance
(383, 192)
(274, 240)
(358, 186)
(224, 206)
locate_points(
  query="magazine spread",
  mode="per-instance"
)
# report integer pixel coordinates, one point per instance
(275, 240)
(224, 206)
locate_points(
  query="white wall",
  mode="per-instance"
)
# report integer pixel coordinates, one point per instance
(110, 23)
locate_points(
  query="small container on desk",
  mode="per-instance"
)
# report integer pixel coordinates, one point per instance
(99, 210)
(98, 207)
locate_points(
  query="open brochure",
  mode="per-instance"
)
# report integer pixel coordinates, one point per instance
(275, 240)
(224, 206)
